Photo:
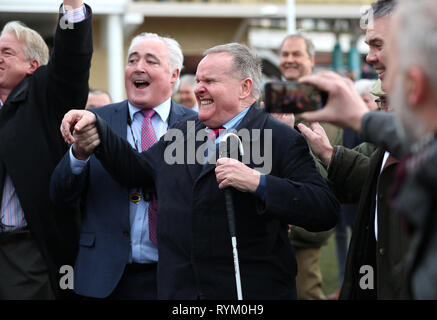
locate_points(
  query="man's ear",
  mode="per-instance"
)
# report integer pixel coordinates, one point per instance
(174, 76)
(416, 84)
(246, 88)
(33, 65)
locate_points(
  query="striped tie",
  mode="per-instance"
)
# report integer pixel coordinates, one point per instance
(148, 139)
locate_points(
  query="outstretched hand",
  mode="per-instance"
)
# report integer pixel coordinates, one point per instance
(75, 120)
(78, 128)
(318, 141)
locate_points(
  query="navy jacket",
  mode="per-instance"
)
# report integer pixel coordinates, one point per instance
(104, 244)
(195, 253)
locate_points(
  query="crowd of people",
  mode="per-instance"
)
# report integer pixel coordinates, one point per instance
(106, 196)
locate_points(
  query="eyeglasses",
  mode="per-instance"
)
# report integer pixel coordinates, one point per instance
(382, 103)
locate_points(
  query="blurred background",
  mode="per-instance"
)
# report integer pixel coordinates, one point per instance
(333, 25)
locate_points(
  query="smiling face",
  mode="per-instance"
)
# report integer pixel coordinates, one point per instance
(219, 92)
(14, 65)
(376, 38)
(148, 79)
(294, 61)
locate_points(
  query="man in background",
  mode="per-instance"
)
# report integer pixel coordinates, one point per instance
(97, 98)
(297, 59)
(186, 92)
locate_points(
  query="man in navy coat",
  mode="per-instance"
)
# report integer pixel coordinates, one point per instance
(117, 259)
(271, 189)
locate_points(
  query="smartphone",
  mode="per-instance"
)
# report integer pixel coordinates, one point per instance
(293, 97)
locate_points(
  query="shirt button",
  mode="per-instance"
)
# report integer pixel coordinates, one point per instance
(381, 251)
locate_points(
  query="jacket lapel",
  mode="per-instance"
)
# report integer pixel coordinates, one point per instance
(18, 94)
(195, 168)
(174, 115)
(119, 118)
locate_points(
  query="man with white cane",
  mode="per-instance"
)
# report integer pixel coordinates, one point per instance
(274, 184)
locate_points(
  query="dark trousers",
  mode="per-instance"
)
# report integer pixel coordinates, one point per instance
(137, 283)
(23, 271)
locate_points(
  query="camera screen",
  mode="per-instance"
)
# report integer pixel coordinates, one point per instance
(292, 97)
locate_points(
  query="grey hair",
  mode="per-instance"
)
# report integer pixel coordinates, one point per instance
(100, 92)
(189, 79)
(246, 63)
(34, 45)
(311, 49)
(383, 8)
(417, 36)
(175, 56)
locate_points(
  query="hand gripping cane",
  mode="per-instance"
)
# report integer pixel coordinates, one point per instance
(223, 151)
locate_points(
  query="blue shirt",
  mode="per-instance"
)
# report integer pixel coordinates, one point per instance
(260, 192)
(142, 249)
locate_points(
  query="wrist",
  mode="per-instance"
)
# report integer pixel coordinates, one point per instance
(356, 122)
(326, 156)
(256, 176)
(77, 154)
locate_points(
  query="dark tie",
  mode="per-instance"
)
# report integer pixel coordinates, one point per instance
(148, 139)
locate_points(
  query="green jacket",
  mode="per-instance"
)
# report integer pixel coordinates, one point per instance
(299, 237)
(353, 177)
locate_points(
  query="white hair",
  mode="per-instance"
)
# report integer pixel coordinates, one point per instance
(175, 56)
(364, 86)
(34, 47)
(417, 37)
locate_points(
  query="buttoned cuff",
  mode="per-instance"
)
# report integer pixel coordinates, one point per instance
(76, 165)
(75, 15)
(260, 192)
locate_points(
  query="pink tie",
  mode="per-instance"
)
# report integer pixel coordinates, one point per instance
(148, 139)
(214, 133)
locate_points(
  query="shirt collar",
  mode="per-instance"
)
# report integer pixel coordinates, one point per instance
(163, 110)
(235, 121)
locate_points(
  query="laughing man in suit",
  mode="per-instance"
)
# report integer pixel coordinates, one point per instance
(117, 255)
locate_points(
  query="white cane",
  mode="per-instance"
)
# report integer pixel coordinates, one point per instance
(230, 210)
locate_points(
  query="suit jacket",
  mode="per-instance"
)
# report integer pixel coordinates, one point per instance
(104, 245)
(31, 144)
(195, 253)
